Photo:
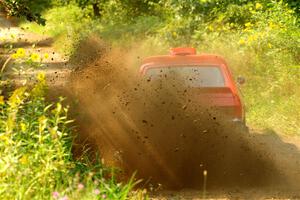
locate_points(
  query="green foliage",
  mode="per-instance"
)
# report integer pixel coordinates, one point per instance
(295, 4)
(35, 152)
(66, 27)
(31, 132)
(24, 8)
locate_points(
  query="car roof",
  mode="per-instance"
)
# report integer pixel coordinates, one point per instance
(169, 60)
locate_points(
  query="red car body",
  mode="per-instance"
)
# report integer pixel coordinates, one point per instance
(219, 89)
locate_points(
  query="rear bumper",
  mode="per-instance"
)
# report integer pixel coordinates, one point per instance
(240, 124)
(238, 121)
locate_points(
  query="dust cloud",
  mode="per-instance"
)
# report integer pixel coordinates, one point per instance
(161, 132)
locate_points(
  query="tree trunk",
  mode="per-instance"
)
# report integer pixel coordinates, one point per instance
(96, 10)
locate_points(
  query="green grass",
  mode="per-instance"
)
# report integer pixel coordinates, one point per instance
(36, 161)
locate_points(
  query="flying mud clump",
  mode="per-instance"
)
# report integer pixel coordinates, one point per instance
(159, 131)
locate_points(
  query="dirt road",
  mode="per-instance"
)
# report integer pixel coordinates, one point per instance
(13, 37)
(286, 157)
(137, 126)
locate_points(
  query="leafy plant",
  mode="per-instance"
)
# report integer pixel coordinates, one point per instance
(23, 8)
(35, 152)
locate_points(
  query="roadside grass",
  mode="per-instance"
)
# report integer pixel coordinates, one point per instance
(36, 161)
(36, 139)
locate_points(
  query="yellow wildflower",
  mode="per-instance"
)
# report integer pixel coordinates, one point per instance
(17, 97)
(272, 25)
(41, 76)
(23, 127)
(21, 52)
(211, 28)
(225, 28)
(35, 57)
(2, 100)
(58, 107)
(46, 55)
(14, 56)
(42, 123)
(270, 45)
(252, 38)
(248, 24)
(24, 160)
(42, 119)
(4, 138)
(258, 6)
(174, 34)
(53, 131)
(242, 42)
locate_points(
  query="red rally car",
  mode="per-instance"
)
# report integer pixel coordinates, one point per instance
(208, 74)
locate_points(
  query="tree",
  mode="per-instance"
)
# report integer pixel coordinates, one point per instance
(136, 8)
(22, 8)
(96, 4)
(133, 8)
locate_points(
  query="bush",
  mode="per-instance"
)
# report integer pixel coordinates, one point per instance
(67, 24)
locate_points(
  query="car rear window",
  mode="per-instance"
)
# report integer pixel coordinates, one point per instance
(191, 76)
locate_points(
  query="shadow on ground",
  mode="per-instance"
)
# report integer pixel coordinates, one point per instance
(46, 42)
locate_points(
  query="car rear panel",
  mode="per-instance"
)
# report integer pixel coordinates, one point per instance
(220, 99)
